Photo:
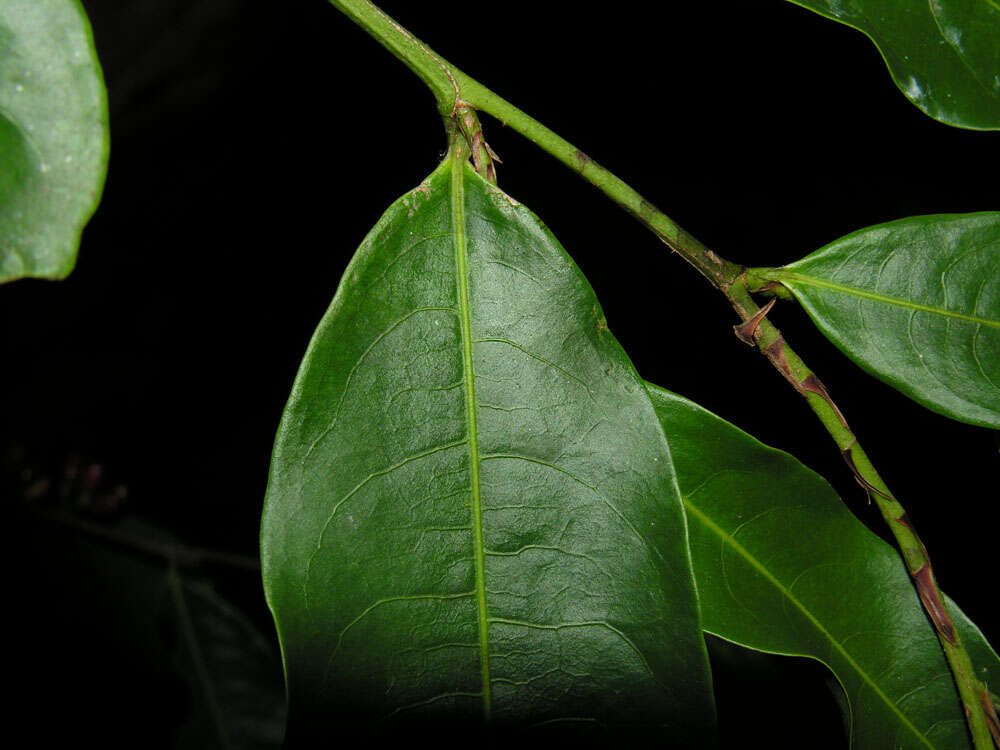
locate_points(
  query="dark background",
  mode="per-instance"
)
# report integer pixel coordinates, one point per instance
(253, 146)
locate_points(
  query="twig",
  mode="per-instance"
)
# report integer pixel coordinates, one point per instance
(455, 92)
(179, 555)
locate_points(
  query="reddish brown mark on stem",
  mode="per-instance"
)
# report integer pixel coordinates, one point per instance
(767, 287)
(924, 580)
(865, 484)
(991, 715)
(479, 145)
(582, 160)
(492, 153)
(904, 520)
(927, 588)
(812, 384)
(746, 330)
(775, 351)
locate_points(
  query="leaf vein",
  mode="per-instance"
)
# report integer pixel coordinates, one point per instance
(355, 490)
(354, 368)
(834, 644)
(897, 301)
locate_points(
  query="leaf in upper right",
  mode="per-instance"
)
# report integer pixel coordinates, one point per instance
(916, 303)
(944, 55)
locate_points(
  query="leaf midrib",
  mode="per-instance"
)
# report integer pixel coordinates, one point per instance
(790, 276)
(762, 570)
(468, 377)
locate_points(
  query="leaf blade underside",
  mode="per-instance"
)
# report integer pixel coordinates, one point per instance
(53, 135)
(472, 512)
(943, 55)
(916, 303)
(782, 566)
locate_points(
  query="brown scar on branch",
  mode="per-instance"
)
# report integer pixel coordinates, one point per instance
(746, 331)
(582, 160)
(924, 580)
(714, 258)
(812, 384)
(867, 486)
(477, 147)
(904, 520)
(474, 133)
(767, 287)
(991, 715)
(491, 169)
(775, 351)
(492, 153)
(929, 596)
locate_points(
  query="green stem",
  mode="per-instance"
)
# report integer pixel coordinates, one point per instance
(454, 90)
(769, 340)
(456, 93)
(434, 71)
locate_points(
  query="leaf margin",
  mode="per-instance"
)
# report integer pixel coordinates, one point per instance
(989, 123)
(974, 640)
(71, 236)
(298, 389)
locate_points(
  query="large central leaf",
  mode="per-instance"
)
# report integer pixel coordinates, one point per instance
(472, 511)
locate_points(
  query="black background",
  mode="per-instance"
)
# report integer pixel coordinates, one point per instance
(253, 146)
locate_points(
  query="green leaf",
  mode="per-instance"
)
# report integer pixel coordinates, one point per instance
(472, 511)
(782, 566)
(53, 135)
(916, 303)
(944, 55)
(215, 677)
(231, 668)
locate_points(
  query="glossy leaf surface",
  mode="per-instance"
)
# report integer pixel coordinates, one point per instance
(53, 135)
(944, 55)
(782, 566)
(916, 303)
(472, 510)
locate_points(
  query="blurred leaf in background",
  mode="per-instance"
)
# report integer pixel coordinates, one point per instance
(53, 135)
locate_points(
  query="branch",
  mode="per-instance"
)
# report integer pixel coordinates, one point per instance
(456, 92)
(175, 554)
